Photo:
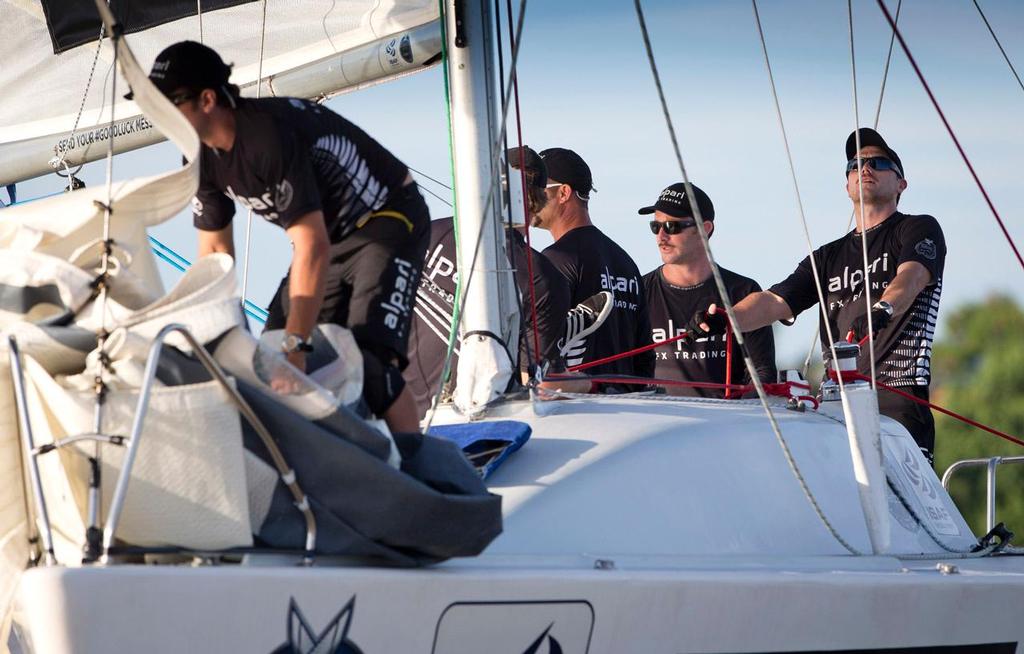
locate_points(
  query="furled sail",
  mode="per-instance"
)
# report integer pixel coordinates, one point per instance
(56, 74)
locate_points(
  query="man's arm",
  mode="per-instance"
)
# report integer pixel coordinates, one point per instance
(307, 275)
(755, 311)
(911, 278)
(221, 240)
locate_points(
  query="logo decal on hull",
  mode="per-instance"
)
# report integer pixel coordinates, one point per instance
(332, 640)
(553, 646)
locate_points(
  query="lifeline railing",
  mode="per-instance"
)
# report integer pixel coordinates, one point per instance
(992, 463)
(31, 451)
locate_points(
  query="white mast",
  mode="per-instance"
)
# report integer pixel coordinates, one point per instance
(488, 327)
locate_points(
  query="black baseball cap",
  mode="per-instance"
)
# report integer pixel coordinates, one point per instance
(869, 137)
(567, 167)
(188, 64)
(526, 158)
(674, 202)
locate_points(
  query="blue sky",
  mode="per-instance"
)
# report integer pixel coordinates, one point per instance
(585, 84)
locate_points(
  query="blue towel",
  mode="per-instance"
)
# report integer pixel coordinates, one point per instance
(486, 444)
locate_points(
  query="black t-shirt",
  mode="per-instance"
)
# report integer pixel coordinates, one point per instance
(671, 308)
(435, 305)
(903, 350)
(592, 263)
(291, 157)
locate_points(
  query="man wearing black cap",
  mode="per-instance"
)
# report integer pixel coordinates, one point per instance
(684, 285)
(906, 254)
(357, 222)
(592, 262)
(435, 298)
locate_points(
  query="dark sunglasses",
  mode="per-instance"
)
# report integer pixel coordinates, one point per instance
(875, 163)
(182, 98)
(671, 227)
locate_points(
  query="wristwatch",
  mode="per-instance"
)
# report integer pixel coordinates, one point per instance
(295, 343)
(884, 306)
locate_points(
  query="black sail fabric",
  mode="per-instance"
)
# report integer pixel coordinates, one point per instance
(433, 508)
(72, 22)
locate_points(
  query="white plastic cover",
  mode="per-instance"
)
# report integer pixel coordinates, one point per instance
(483, 374)
(860, 406)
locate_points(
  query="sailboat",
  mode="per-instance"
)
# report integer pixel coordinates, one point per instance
(631, 523)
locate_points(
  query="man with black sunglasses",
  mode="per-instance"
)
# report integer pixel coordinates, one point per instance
(592, 262)
(906, 254)
(682, 286)
(358, 225)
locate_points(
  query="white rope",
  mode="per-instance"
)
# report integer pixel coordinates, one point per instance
(248, 213)
(849, 223)
(860, 197)
(817, 286)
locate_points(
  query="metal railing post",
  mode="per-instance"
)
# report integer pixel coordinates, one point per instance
(990, 483)
(991, 463)
(28, 446)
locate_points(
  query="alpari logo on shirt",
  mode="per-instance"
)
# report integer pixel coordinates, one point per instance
(197, 206)
(439, 265)
(610, 282)
(852, 279)
(397, 303)
(263, 204)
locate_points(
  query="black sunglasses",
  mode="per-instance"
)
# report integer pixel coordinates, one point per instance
(875, 163)
(182, 98)
(671, 227)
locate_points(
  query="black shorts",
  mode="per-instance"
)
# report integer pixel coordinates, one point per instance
(915, 417)
(372, 278)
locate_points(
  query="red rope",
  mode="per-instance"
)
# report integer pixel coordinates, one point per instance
(522, 172)
(728, 361)
(782, 389)
(627, 353)
(949, 129)
(851, 375)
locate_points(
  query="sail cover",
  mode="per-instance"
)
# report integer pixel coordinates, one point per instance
(56, 74)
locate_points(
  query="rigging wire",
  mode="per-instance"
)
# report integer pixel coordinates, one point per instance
(248, 213)
(488, 202)
(849, 223)
(860, 203)
(949, 129)
(59, 158)
(420, 173)
(434, 194)
(817, 285)
(181, 264)
(1000, 45)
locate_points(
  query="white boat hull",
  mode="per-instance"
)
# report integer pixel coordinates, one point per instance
(713, 606)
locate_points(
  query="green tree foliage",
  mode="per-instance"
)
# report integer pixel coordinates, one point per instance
(978, 372)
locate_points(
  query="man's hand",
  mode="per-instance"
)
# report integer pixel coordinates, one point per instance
(707, 323)
(284, 380)
(881, 314)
